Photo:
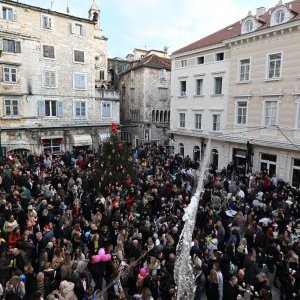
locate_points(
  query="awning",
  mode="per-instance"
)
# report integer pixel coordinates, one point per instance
(82, 140)
(13, 145)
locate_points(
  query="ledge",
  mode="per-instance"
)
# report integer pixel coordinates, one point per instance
(243, 82)
(272, 79)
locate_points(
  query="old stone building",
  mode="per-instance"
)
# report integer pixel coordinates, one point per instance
(53, 80)
(145, 97)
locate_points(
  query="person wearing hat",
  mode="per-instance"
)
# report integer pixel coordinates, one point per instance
(199, 282)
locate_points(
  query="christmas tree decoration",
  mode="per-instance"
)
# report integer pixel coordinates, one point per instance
(113, 164)
(114, 128)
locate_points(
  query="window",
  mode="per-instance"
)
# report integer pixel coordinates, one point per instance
(132, 74)
(279, 17)
(9, 74)
(163, 94)
(270, 113)
(296, 173)
(101, 75)
(182, 120)
(218, 86)
(244, 69)
(8, 14)
(181, 149)
(241, 113)
(162, 74)
(50, 108)
(183, 88)
(48, 51)
(49, 79)
(216, 122)
(220, 56)
(132, 92)
(46, 22)
(52, 145)
(274, 65)
(268, 163)
(106, 110)
(77, 29)
(11, 108)
(80, 81)
(79, 56)
(198, 118)
(80, 109)
(11, 46)
(199, 85)
(249, 26)
(200, 60)
(183, 63)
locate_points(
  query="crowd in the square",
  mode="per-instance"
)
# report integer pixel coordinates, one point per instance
(62, 239)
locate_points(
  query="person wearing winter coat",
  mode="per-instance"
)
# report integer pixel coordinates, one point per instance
(66, 289)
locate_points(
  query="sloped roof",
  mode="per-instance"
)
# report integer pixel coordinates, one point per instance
(152, 61)
(234, 29)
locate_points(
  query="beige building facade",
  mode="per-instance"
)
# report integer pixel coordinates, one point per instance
(54, 90)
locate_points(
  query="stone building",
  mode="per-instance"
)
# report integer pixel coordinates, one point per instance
(53, 80)
(145, 97)
(258, 95)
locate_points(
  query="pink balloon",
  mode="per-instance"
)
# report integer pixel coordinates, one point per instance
(106, 257)
(143, 272)
(101, 252)
(96, 258)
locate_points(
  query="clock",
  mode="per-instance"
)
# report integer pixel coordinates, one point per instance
(99, 59)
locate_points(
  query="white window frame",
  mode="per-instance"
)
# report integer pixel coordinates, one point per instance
(181, 120)
(219, 53)
(49, 24)
(218, 124)
(280, 12)
(198, 60)
(243, 115)
(199, 92)
(268, 66)
(75, 107)
(51, 58)
(183, 63)
(110, 108)
(265, 112)
(6, 16)
(85, 81)
(198, 123)
(11, 108)
(52, 146)
(215, 85)
(162, 74)
(79, 62)
(74, 29)
(51, 113)
(17, 45)
(50, 86)
(182, 93)
(10, 74)
(244, 71)
(249, 28)
(163, 94)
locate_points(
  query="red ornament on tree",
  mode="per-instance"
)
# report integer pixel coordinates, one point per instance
(128, 180)
(120, 146)
(114, 128)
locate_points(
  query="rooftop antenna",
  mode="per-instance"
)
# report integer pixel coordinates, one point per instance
(52, 3)
(68, 8)
(145, 46)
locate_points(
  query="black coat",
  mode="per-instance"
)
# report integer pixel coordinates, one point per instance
(230, 292)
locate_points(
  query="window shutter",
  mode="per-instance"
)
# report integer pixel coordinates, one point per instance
(60, 109)
(14, 15)
(49, 22)
(83, 31)
(41, 108)
(18, 47)
(1, 44)
(51, 52)
(72, 27)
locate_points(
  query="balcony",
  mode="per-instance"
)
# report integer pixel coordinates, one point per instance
(106, 94)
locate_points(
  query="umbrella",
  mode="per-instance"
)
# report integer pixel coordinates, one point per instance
(230, 213)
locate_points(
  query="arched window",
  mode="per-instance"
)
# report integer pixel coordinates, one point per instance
(181, 149)
(157, 116)
(165, 116)
(196, 153)
(153, 115)
(161, 116)
(168, 116)
(279, 17)
(249, 26)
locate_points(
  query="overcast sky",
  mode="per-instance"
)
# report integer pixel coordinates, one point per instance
(130, 24)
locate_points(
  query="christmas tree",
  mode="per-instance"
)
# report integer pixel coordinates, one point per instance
(114, 165)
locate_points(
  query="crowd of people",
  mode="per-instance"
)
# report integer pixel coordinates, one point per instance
(62, 239)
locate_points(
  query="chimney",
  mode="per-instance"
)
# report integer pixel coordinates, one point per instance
(260, 11)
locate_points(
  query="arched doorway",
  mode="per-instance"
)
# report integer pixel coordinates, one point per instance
(214, 158)
(196, 153)
(181, 149)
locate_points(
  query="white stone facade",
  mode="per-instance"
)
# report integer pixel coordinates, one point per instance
(50, 66)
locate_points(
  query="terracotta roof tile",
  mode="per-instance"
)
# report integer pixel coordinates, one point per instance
(234, 30)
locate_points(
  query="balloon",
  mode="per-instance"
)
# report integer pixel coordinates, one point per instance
(106, 257)
(96, 258)
(143, 272)
(101, 252)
